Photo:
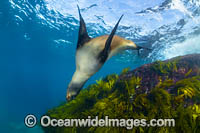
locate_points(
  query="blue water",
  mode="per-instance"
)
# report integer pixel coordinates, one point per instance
(38, 40)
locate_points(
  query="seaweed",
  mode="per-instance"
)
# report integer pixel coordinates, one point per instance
(165, 67)
(117, 98)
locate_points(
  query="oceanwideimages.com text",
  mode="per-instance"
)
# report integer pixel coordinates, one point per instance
(46, 121)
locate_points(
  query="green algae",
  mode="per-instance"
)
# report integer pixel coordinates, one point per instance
(118, 98)
(165, 67)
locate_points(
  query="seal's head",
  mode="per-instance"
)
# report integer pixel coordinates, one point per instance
(72, 91)
(78, 80)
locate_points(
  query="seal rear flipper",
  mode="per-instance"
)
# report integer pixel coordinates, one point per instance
(104, 54)
(83, 36)
(141, 47)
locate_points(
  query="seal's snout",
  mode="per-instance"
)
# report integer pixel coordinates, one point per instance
(72, 92)
(70, 97)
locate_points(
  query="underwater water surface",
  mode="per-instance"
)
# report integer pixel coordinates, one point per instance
(38, 41)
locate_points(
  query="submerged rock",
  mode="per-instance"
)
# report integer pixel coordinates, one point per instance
(161, 90)
(176, 69)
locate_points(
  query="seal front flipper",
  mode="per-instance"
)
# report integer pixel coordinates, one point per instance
(104, 54)
(83, 36)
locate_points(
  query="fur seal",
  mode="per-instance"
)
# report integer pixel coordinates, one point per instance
(92, 53)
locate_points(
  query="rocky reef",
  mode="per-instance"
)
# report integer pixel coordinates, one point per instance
(161, 90)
